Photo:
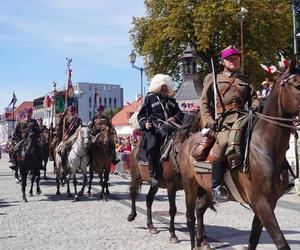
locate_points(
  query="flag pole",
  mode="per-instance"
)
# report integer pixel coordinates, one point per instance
(69, 60)
(52, 114)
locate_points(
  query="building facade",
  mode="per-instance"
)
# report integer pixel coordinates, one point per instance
(86, 98)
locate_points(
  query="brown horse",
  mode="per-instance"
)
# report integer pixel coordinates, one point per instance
(102, 160)
(171, 179)
(44, 143)
(267, 177)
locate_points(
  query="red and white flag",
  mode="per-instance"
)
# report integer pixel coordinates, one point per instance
(284, 63)
(47, 101)
(270, 69)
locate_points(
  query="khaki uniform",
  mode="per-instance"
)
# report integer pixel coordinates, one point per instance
(235, 91)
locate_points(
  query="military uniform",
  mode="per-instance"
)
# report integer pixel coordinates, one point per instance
(25, 129)
(235, 91)
(98, 123)
(156, 109)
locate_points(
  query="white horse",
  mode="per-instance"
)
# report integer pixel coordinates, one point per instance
(77, 159)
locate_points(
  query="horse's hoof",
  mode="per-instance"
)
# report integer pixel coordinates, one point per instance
(45, 178)
(31, 193)
(174, 240)
(205, 247)
(38, 191)
(131, 217)
(153, 230)
(80, 193)
(89, 192)
(107, 192)
(24, 199)
(57, 192)
(76, 198)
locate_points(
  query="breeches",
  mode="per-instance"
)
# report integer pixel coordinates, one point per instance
(220, 146)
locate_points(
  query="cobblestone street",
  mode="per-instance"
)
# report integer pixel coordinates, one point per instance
(49, 221)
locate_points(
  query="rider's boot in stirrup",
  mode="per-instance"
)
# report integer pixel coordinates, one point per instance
(219, 192)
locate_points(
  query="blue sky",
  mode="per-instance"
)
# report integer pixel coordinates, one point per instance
(37, 35)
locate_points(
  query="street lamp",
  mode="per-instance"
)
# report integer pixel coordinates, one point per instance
(241, 16)
(132, 59)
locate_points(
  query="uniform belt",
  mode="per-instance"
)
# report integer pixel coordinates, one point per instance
(233, 106)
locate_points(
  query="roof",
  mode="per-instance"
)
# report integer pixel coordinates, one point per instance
(19, 111)
(122, 117)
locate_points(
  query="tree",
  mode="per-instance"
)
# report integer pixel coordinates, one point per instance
(210, 26)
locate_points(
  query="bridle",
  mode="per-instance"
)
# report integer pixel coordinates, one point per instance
(279, 121)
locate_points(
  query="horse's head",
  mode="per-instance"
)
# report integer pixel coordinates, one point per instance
(84, 135)
(289, 90)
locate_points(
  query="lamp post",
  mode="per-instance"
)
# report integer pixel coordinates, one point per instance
(296, 10)
(132, 59)
(241, 16)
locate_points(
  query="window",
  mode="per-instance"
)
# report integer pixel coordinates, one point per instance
(100, 100)
(90, 102)
(115, 102)
(90, 115)
(110, 102)
(105, 102)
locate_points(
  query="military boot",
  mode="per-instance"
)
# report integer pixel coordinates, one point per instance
(152, 172)
(219, 192)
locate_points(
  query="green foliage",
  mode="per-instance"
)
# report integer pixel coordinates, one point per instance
(211, 26)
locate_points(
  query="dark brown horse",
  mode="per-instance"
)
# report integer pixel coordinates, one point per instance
(267, 178)
(171, 179)
(101, 160)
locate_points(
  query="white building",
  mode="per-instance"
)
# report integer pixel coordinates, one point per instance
(108, 95)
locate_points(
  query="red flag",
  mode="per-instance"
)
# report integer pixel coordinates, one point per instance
(70, 88)
(47, 101)
(284, 63)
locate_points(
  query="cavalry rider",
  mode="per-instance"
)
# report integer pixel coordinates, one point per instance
(233, 92)
(158, 109)
(99, 122)
(28, 127)
(72, 122)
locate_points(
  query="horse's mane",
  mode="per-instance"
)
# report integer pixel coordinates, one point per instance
(190, 124)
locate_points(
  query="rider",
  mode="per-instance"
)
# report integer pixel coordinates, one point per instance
(159, 107)
(99, 122)
(72, 122)
(26, 128)
(234, 90)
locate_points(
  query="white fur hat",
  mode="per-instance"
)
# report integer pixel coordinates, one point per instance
(158, 81)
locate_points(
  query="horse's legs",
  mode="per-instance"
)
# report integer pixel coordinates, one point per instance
(68, 185)
(149, 202)
(100, 174)
(57, 182)
(84, 183)
(91, 171)
(255, 233)
(38, 177)
(106, 178)
(172, 210)
(134, 187)
(32, 182)
(265, 213)
(45, 169)
(75, 185)
(24, 173)
(201, 206)
(190, 189)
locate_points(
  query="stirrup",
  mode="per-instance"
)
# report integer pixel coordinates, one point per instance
(220, 194)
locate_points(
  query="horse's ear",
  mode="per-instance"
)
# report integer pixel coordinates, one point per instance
(292, 65)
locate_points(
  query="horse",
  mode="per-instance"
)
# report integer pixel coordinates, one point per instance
(101, 160)
(170, 180)
(44, 144)
(77, 159)
(28, 161)
(267, 177)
